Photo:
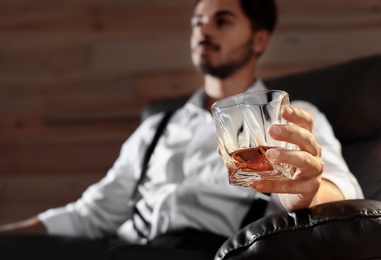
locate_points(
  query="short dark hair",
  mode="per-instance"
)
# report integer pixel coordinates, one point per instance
(263, 14)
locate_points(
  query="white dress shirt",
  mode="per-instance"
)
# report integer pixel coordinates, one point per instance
(186, 184)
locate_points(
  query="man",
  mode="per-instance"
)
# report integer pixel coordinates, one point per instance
(186, 187)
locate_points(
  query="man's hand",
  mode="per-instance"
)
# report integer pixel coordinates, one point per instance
(307, 187)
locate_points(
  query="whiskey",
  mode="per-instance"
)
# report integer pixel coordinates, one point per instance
(251, 160)
(249, 164)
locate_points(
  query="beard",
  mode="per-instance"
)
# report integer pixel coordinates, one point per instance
(242, 53)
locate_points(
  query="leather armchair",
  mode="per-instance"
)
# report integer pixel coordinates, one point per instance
(349, 94)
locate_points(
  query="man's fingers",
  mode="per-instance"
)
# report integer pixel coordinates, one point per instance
(304, 161)
(301, 137)
(284, 186)
(298, 117)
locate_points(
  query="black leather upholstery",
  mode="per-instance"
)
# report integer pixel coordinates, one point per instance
(348, 93)
(48, 247)
(142, 252)
(338, 230)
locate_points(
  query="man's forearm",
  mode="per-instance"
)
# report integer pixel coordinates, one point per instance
(31, 225)
(327, 192)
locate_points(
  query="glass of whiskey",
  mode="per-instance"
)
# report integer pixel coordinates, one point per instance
(242, 123)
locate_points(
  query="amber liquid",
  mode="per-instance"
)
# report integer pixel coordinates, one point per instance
(251, 160)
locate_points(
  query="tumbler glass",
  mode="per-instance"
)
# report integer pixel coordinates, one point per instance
(242, 123)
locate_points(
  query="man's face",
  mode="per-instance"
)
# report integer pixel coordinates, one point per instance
(222, 38)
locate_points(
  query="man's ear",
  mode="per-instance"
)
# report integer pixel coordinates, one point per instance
(260, 42)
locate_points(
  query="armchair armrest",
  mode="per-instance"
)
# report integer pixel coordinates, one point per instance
(349, 229)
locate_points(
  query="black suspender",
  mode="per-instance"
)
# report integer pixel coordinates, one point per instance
(257, 209)
(135, 194)
(150, 149)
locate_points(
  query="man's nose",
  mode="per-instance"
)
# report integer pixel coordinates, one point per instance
(205, 28)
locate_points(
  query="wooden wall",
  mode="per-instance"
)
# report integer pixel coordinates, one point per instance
(75, 74)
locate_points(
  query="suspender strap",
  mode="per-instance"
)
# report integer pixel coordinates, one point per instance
(150, 149)
(257, 209)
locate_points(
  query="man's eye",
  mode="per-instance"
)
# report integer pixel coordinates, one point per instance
(222, 22)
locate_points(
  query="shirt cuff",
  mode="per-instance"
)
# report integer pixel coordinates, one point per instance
(57, 222)
(348, 187)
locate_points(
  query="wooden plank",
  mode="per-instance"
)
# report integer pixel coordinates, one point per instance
(284, 5)
(47, 59)
(301, 47)
(86, 24)
(60, 155)
(35, 188)
(294, 6)
(328, 21)
(47, 18)
(25, 4)
(154, 21)
(14, 122)
(143, 55)
(28, 196)
(97, 19)
(94, 117)
(73, 103)
(68, 89)
(36, 122)
(37, 39)
(49, 113)
(160, 85)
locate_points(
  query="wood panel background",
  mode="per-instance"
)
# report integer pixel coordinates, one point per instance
(75, 74)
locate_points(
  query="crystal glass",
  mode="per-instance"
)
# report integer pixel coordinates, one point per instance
(242, 123)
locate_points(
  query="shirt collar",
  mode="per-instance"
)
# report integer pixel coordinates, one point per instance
(197, 98)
